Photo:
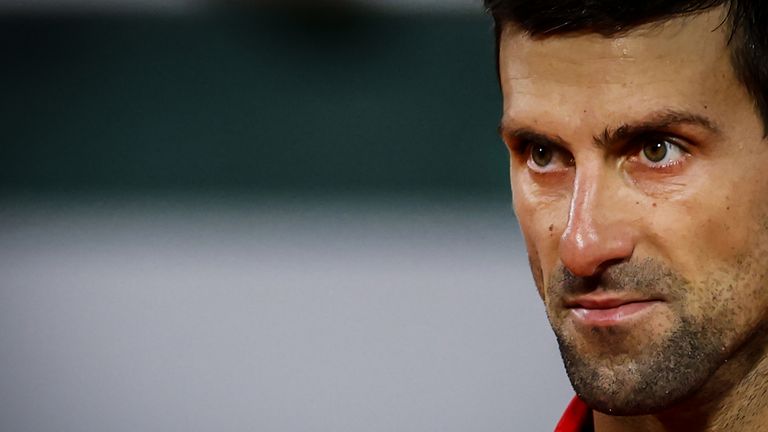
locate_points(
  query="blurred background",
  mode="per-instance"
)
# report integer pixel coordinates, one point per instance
(273, 216)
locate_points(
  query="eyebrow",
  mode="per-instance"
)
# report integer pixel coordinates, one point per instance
(656, 122)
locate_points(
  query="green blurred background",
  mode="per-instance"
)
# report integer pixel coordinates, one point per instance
(242, 217)
(341, 100)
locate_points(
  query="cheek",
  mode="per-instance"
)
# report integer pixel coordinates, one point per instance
(720, 231)
(725, 208)
(739, 284)
(732, 299)
(711, 222)
(542, 222)
(724, 236)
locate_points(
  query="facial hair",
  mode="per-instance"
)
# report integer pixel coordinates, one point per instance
(619, 372)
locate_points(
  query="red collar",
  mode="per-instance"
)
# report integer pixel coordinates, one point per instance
(576, 418)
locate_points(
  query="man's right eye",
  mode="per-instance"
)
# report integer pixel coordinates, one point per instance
(541, 155)
(548, 158)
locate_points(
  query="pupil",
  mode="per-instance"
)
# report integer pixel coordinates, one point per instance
(656, 151)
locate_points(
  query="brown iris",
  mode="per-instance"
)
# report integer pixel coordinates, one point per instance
(541, 155)
(655, 151)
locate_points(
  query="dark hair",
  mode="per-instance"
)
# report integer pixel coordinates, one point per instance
(748, 20)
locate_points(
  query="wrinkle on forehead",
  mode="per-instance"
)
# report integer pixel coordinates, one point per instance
(676, 42)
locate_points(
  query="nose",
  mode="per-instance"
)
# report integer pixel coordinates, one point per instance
(600, 228)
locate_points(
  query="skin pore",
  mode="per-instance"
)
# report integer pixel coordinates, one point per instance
(639, 171)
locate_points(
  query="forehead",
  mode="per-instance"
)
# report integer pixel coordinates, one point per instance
(682, 64)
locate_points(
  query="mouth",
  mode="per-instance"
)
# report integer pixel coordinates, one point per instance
(596, 311)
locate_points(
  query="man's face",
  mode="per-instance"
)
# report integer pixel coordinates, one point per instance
(640, 181)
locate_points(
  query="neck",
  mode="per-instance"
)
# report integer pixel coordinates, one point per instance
(734, 400)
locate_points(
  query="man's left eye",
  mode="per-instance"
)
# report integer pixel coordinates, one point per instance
(660, 152)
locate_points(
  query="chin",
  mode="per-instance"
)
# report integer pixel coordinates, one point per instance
(608, 402)
(622, 391)
(650, 378)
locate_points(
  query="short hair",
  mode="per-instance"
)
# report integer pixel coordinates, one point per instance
(748, 20)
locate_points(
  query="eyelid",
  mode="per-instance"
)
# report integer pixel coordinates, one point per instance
(637, 142)
(519, 146)
(523, 145)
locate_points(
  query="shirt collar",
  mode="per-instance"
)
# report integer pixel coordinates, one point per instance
(576, 418)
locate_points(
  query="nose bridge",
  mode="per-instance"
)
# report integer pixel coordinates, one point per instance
(598, 230)
(584, 209)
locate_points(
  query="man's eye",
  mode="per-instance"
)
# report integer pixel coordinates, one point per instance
(544, 158)
(541, 155)
(660, 152)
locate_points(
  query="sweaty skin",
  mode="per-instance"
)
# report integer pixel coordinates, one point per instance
(639, 172)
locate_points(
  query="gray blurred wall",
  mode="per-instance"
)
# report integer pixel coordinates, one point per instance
(262, 220)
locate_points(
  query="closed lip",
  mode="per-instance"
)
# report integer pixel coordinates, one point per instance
(605, 301)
